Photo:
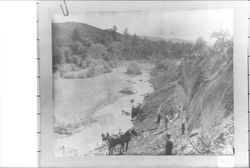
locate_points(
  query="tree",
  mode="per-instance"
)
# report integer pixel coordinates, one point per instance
(105, 38)
(115, 49)
(187, 48)
(97, 51)
(200, 46)
(67, 55)
(126, 51)
(126, 35)
(76, 60)
(125, 31)
(162, 49)
(114, 29)
(126, 42)
(177, 50)
(223, 41)
(146, 49)
(135, 40)
(76, 35)
(78, 49)
(86, 42)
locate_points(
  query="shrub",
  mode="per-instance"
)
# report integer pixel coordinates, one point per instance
(91, 71)
(82, 73)
(127, 91)
(62, 131)
(133, 68)
(56, 75)
(74, 67)
(107, 68)
(76, 60)
(159, 65)
(162, 64)
(113, 63)
(67, 55)
(99, 69)
(69, 75)
(84, 63)
(64, 68)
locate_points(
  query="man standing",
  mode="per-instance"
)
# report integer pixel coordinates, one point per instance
(120, 132)
(158, 118)
(183, 127)
(166, 122)
(171, 113)
(168, 145)
(129, 108)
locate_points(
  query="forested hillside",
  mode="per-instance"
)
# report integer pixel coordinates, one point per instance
(80, 46)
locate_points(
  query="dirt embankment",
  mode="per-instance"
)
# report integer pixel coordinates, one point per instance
(198, 91)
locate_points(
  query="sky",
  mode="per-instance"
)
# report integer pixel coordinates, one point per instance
(181, 24)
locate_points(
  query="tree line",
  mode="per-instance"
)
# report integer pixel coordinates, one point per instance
(110, 46)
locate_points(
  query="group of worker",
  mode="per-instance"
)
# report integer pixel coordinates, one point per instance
(167, 117)
(170, 115)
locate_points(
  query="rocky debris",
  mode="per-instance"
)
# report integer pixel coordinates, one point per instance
(127, 91)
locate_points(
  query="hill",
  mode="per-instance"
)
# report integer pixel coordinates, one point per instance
(200, 91)
(66, 30)
(82, 44)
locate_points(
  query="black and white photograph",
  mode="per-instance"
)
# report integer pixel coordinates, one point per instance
(143, 83)
(128, 84)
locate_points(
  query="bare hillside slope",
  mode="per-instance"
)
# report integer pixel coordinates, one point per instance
(199, 90)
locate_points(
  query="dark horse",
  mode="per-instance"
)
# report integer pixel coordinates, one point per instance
(123, 140)
(112, 143)
(126, 137)
(104, 138)
(107, 138)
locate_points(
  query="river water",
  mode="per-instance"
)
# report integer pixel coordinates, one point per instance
(89, 138)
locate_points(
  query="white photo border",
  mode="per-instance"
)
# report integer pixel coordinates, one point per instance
(46, 9)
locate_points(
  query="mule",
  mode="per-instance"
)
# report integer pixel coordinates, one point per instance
(112, 143)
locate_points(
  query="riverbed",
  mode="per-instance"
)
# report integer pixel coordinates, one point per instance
(109, 118)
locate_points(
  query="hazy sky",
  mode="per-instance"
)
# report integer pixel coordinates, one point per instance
(183, 24)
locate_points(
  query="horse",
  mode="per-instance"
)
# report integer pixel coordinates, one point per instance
(112, 143)
(104, 138)
(123, 140)
(126, 137)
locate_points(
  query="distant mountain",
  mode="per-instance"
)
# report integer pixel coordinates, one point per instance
(65, 30)
(87, 31)
(174, 40)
